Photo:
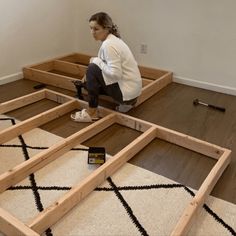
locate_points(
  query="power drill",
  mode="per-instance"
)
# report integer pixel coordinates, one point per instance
(79, 85)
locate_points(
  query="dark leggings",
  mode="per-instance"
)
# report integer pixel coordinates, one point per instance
(95, 85)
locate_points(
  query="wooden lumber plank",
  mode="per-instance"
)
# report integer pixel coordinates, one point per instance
(54, 212)
(50, 215)
(175, 137)
(82, 58)
(21, 171)
(152, 88)
(153, 79)
(65, 82)
(145, 82)
(133, 123)
(185, 221)
(22, 101)
(71, 68)
(62, 81)
(57, 97)
(35, 121)
(69, 58)
(46, 66)
(77, 58)
(9, 225)
(189, 142)
(46, 61)
(151, 73)
(53, 79)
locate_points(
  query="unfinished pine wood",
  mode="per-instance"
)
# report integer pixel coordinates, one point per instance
(62, 71)
(60, 81)
(46, 66)
(151, 88)
(43, 158)
(57, 97)
(172, 108)
(184, 222)
(38, 65)
(52, 214)
(151, 73)
(9, 225)
(77, 58)
(180, 139)
(34, 122)
(20, 102)
(69, 67)
(145, 82)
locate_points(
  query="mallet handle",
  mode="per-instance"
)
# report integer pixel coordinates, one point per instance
(217, 108)
(196, 102)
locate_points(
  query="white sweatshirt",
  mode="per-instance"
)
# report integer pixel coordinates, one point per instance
(119, 66)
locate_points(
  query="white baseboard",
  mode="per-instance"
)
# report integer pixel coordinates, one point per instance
(11, 78)
(205, 85)
(177, 79)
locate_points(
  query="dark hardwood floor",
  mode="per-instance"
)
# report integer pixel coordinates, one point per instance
(173, 108)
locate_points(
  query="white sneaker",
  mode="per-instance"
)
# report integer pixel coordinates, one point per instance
(83, 116)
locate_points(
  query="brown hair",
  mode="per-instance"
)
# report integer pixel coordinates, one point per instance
(106, 22)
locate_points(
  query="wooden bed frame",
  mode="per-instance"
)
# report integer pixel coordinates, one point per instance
(9, 225)
(60, 72)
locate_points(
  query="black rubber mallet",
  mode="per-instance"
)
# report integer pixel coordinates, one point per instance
(197, 102)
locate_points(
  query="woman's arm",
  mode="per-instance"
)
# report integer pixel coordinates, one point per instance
(110, 64)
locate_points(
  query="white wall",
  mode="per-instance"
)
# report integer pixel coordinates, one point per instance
(196, 39)
(34, 30)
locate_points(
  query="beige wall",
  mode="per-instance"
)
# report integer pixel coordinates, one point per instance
(34, 30)
(196, 39)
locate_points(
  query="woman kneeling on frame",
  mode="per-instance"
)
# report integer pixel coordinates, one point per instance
(113, 72)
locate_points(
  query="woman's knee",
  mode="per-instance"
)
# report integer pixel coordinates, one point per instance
(92, 71)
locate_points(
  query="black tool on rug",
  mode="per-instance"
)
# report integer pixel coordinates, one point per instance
(79, 85)
(39, 86)
(96, 155)
(197, 102)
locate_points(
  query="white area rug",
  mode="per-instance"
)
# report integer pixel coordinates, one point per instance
(133, 201)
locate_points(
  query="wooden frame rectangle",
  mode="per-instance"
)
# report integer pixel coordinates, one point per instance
(58, 209)
(60, 72)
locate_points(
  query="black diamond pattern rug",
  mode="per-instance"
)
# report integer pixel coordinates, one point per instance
(133, 201)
